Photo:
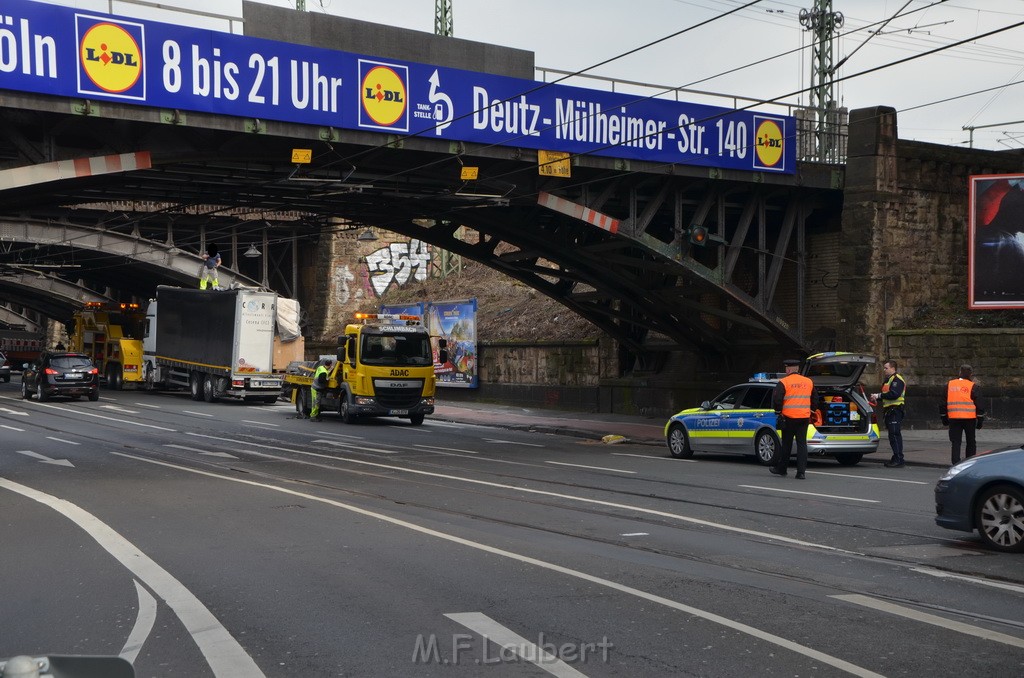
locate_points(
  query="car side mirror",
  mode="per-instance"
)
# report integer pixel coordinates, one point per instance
(706, 405)
(24, 366)
(350, 350)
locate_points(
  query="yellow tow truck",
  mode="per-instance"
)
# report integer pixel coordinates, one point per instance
(384, 368)
(112, 334)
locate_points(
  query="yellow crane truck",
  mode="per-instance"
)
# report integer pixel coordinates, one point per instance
(112, 334)
(384, 368)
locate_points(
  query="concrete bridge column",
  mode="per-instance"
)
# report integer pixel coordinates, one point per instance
(869, 232)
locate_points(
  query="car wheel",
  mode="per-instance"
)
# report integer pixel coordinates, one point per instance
(94, 395)
(7, 380)
(24, 390)
(41, 394)
(679, 442)
(345, 411)
(849, 458)
(416, 419)
(999, 517)
(766, 447)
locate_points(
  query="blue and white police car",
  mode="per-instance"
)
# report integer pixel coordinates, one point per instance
(741, 420)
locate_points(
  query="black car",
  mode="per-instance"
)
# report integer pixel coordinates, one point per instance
(61, 374)
(5, 369)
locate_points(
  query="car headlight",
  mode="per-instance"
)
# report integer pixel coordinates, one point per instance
(958, 469)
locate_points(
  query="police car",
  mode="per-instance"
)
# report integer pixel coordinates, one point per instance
(741, 420)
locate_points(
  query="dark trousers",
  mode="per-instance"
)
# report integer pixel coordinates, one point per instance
(893, 418)
(958, 428)
(793, 428)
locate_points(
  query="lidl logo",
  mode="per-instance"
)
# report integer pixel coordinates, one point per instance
(383, 96)
(110, 58)
(769, 143)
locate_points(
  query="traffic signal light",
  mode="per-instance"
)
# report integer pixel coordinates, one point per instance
(698, 235)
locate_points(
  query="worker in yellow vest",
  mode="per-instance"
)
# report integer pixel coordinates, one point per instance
(963, 413)
(892, 398)
(793, 399)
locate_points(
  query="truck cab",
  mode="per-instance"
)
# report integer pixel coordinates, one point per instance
(384, 368)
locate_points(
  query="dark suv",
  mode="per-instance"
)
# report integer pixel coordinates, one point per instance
(61, 374)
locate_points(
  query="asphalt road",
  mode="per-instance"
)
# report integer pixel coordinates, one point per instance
(236, 540)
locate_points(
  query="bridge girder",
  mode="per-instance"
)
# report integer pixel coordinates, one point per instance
(49, 295)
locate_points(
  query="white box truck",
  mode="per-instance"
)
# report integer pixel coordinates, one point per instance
(216, 343)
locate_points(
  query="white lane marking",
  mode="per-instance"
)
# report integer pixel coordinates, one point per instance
(261, 423)
(17, 413)
(595, 468)
(973, 580)
(198, 414)
(446, 449)
(635, 534)
(647, 456)
(607, 583)
(205, 452)
(934, 620)
(514, 643)
(510, 442)
(61, 440)
(113, 400)
(155, 407)
(545, 493)
(850, 475)
(224, 655)
(45, 460)
(809, 494)
(12, 428)
(143, 625)
(352, 446)
(119, 409)
(94, 415)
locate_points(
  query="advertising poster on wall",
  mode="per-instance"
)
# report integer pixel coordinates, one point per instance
(996, 242)
(455, 321)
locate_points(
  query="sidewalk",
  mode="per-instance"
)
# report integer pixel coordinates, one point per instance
(922, 447)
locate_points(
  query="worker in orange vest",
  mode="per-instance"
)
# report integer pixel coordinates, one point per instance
(793, 399)
(963, 413)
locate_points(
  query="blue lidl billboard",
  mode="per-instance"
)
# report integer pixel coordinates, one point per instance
(54, 50)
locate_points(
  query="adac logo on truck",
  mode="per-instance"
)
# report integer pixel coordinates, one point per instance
(110, 58)
(769, 143)
(383, 96)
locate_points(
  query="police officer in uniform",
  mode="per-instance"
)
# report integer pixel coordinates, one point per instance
(893, 397)
(963, 413)
(793, 399)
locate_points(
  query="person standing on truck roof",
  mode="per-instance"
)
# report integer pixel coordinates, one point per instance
(211, 262)
(319, 384)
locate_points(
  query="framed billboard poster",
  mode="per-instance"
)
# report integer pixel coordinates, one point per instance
(995, 240)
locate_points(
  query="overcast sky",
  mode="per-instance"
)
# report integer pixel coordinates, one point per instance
(577, 34)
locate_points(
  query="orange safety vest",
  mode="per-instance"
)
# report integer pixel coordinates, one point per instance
(958, 400)
(797, 402)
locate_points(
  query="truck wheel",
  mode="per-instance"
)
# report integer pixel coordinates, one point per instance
(345, 411)
(269, 400)
(416, 419)
(302, 406)
(195, 386)
(209, 390)
(116, 380)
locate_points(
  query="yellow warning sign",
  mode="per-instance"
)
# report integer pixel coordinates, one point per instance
(302, 156)
(554, 164)
(469, 173)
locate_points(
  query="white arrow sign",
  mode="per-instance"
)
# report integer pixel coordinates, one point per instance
(15, 412)
(46, 460)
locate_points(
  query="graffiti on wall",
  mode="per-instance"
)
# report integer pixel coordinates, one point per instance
(397, 264)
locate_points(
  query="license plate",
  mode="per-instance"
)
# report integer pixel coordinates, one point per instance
(72, 375)
(399, 411)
